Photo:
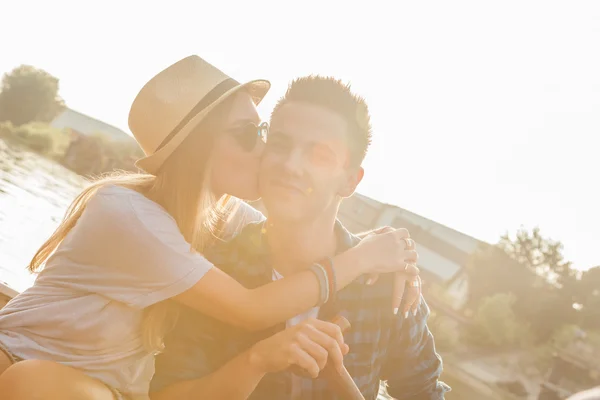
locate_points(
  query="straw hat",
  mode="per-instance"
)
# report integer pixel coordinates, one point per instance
(172, 104)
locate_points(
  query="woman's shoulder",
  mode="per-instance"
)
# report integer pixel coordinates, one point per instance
(113, 201)
(127, 221)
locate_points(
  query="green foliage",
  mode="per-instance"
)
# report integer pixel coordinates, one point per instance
(492, 271)
(588, 295)
(540, 254)
(29, 94)
(38, 137)
(98, 154)
(445, 331)
(86, 155)
(496, 323)
(533, 269)
(29, 99)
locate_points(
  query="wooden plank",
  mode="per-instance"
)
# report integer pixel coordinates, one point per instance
(6, 293)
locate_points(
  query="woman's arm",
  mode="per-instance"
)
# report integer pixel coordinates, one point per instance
(220, 296)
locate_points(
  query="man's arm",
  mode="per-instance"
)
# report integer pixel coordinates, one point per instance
(413, 367)
(307, 345)
(235, 380)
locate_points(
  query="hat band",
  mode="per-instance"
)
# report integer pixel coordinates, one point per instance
(207, 100)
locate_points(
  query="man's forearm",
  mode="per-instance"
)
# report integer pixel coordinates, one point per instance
(235, 380)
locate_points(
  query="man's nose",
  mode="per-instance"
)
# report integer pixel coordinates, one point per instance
(294, 163)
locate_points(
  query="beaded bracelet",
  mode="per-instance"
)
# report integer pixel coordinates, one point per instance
(327, 264)
(321, 275)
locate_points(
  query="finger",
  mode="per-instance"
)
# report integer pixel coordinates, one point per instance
(402, 233)
(398, 292)
(301, 358)
(326, 341)
(410, 269)
(411, 295)
(411, 256)
(409, 243)
(318, 353)
(345, 349)
(384, 229)
(418, 300)
(372, 279)
(326, 331)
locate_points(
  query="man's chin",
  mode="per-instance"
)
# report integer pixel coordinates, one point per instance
(280, 210)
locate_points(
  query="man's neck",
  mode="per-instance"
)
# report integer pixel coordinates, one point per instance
(296, 246)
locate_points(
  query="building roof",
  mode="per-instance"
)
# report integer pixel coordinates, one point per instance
(437, 264)
(459, 239)
(443, 251)
(87, 125)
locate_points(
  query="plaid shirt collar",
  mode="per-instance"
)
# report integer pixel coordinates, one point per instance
(252, 241)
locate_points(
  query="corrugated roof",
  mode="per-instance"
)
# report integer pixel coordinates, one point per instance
(459, 239)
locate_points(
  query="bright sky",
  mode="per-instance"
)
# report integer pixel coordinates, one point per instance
(486, 115)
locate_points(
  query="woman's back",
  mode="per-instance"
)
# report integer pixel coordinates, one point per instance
(124, 254)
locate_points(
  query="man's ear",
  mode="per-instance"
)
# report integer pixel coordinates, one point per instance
(353, 178)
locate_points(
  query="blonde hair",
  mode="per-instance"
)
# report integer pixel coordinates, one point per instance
(182, 188)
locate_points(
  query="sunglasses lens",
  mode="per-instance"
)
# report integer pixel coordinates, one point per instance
(251, 133)
(263, 132)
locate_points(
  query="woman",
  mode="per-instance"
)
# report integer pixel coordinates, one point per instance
(96, 314)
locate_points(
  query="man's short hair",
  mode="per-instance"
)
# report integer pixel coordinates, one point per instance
(335, 96)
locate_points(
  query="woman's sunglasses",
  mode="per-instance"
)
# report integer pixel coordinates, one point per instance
(248, 135)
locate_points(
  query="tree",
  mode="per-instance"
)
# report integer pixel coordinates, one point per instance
(29, 94)
(589, 298)
(541, 255)
(496, 323)
(492, 271)
(533, 269)
(96, 154)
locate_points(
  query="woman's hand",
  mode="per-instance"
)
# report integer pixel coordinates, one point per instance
(392, 250)
(407, 284)
(407, 292)
(308, 345)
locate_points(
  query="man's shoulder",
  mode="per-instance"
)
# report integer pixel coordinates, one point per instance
(346, 239)
(247, 241)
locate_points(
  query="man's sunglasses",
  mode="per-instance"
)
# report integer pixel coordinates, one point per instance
(248, 135)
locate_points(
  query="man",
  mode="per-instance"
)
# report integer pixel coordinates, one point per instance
(320, 132)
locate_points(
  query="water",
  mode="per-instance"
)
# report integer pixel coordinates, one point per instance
(34, 194)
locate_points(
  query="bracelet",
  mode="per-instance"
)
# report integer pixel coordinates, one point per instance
(327, 265)
(321, 275)
(326, 283)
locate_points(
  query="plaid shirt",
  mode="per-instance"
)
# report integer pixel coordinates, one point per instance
(383, 346)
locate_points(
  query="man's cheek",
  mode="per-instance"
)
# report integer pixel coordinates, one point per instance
(266, 166)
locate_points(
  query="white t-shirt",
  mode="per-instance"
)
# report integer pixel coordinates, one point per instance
(85, 308)
(312, 313)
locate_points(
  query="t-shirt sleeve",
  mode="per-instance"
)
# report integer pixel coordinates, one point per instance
(242, 215)
(129, 249)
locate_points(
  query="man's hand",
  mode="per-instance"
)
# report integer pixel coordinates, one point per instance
(308, 345)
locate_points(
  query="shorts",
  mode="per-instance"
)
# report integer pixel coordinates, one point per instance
(15, 359)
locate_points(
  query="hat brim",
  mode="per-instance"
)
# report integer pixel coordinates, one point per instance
(151, 164)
